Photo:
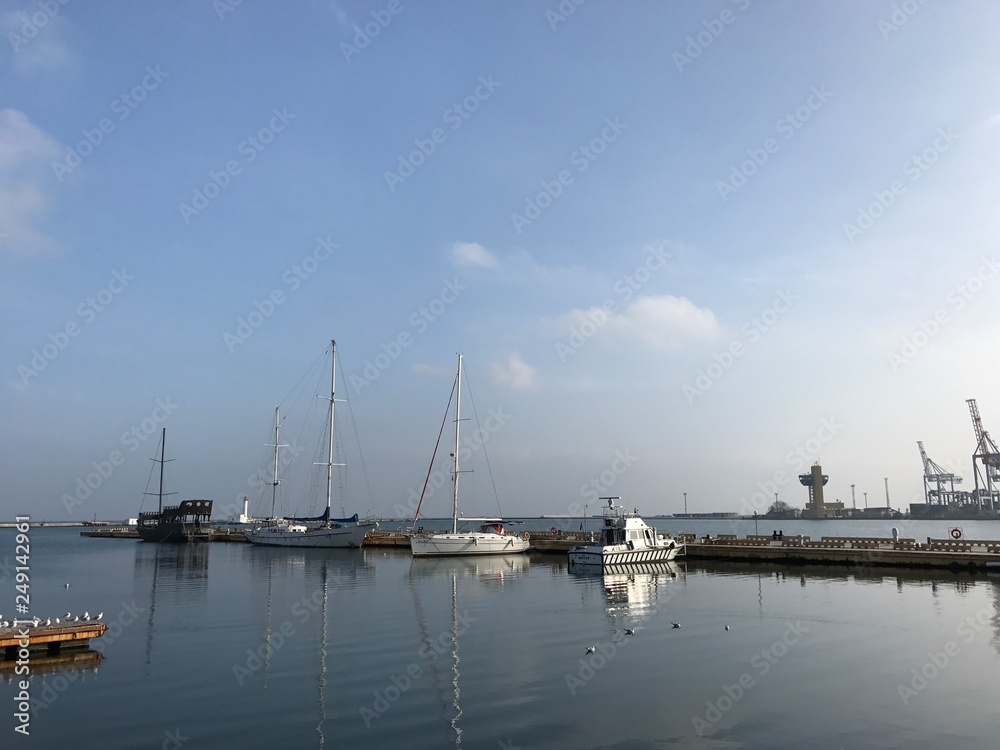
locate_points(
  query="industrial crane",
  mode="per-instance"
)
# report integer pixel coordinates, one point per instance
(936, 475)
(985, 462)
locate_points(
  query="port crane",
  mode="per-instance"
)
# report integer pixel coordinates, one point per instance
(943, 490)
(985, 463)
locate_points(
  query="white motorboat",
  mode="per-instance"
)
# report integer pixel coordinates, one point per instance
(294, 532)
(625, 540)
(492, 538)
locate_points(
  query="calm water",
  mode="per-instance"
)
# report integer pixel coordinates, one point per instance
(231, 646)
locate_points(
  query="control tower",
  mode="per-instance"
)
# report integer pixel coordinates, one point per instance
(817, 507)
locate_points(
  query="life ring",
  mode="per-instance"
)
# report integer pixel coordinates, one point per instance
(956, 533)
(526, 536)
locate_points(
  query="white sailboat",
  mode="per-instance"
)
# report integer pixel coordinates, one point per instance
(330, 533)
(492, 538)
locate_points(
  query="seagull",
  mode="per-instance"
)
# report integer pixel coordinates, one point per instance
(99, 615)
(727, 627)
(67, 585)
(48, 621)
(86, 616)
(629, 631)
(676, 624)
(76, 619)
(57, 621)
(67, 616)
(591, 649)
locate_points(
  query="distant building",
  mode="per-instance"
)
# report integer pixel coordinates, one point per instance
(816, 507)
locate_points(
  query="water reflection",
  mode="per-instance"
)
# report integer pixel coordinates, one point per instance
(178, 572)
(491, 572)
(634, 591)
(81, 661)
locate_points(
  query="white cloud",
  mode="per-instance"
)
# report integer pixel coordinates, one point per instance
(472, 254)
(662, 322)
(25, 154)
(37, 47)
(515, 374)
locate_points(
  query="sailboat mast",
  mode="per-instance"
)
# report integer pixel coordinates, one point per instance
(163, 453)
(329, 463)
(458, 417)
(275, 482)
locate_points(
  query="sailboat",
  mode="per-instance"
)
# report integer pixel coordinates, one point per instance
(294, 532)
(492, 537)
(187, 522)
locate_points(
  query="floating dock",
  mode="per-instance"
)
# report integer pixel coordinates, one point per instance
(52, 638)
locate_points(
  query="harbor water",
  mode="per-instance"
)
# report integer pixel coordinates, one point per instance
(234, 646)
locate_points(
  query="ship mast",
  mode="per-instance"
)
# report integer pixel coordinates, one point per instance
(329, 463)
(275, 481)
(458, 417)
(163, 453)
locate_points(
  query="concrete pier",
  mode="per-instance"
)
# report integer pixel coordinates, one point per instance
(966, 554)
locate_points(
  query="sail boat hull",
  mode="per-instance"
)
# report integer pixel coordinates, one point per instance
(444, 545)
(346, 537)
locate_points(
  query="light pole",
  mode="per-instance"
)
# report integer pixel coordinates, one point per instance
(886, 492)
(755, 523)
(685, 503)
(854, 502)
(866, 500)
(585, 517)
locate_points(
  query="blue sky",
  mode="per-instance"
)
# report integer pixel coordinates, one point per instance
(686, 247)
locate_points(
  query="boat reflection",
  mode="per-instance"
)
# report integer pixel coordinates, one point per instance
(491, 570)
(636, 589)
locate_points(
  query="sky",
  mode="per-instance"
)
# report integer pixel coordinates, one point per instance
(682, 247)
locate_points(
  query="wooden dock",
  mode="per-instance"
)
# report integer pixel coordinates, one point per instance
(53, 638)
